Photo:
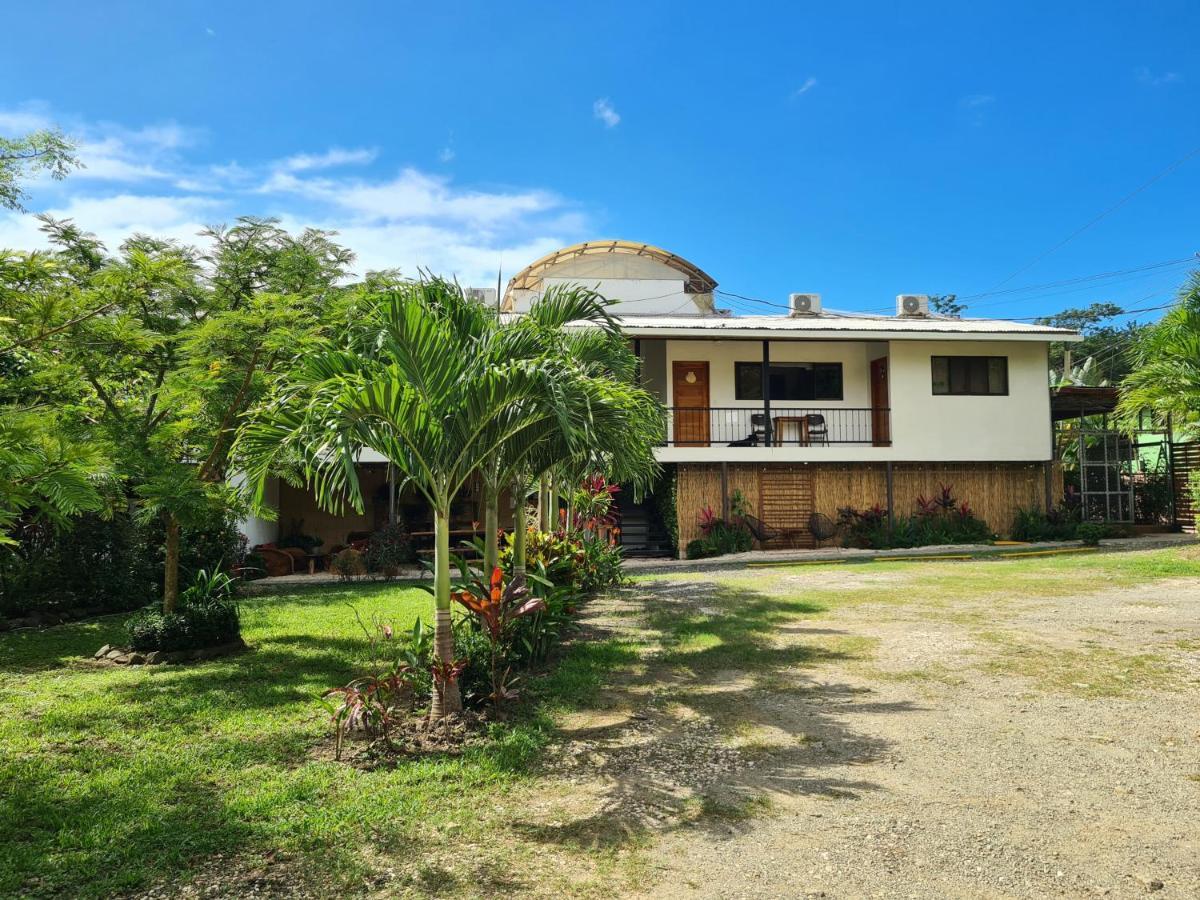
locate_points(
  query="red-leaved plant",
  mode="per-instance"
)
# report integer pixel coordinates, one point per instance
(370, 703)
(706, 519)
(444, 674)
(497, 606)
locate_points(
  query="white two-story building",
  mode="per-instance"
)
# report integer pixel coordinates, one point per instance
(807, 410)
(802, 410)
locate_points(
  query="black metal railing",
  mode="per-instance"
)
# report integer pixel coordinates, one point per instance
(784, 426)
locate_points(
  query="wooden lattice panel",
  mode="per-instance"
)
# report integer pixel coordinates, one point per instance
(785, 498)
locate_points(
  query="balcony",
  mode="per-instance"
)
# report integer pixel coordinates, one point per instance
(777, 426)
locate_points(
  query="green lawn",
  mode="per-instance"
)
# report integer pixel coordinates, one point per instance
(114, 778)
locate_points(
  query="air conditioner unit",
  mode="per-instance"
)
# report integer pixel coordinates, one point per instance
(486, 296)
(804, 304)
(912, 305)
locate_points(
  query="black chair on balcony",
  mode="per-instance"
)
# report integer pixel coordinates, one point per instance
(818, 431)
(758, 432)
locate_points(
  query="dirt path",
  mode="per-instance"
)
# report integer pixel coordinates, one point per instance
(1019, 741)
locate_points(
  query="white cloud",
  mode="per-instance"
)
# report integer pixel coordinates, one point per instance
(603, 110)
(210, 32)
(149, 180)
(22, 121)
(330, 159)
(1156, 79)
(975, 107)
(446, 154)
(809, 84)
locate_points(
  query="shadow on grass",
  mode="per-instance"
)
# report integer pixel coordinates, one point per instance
(724, 717)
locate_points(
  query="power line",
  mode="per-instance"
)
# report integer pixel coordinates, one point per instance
(1081, 278)
(1074, 234)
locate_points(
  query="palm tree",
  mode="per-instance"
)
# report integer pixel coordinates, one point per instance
(622, 422)
(419, 379)
(1165, 380)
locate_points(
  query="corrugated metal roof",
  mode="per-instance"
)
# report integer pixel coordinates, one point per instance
(835, 325)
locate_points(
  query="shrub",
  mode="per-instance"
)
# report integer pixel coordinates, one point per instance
(1060, 524)
(348, 564)
(720, 538)
(1091, 533)
(207, 616)
(585, 564)
(388, 549)
(497, 608)
(104, 565)
(940, 519)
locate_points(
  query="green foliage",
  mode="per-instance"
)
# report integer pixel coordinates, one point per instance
(1166, 379)
(129, 371)
(1108, 344)
(571, 560)
(348, 564)
(1091, 533)
(947, 305)
(46, 151)
(1194, 488)
(389, 548)
(207, 616)
(722, 538)
(1060, 524)
(101, 564)
(940, 519)
(664, 494)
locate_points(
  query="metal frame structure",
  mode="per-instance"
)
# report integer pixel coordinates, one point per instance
(1110, 461)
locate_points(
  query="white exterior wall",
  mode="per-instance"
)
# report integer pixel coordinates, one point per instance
(1012, 428)
(257, 530)
(924, 427)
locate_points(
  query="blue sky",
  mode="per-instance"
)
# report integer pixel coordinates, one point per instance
(858, 151)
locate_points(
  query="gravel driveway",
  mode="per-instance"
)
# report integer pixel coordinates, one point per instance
(902, 730)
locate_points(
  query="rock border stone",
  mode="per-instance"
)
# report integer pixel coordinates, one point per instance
(121, 656)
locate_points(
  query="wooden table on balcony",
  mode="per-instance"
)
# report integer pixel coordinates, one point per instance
(777, 432)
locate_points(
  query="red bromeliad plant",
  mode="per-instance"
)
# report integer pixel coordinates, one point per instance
(707, 519)
(497, 606)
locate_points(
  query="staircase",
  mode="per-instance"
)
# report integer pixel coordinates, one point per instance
(642, 534)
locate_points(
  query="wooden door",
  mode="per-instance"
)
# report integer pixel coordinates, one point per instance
(881, 430)
(689, 385)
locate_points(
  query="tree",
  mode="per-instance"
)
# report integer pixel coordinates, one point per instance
(45, 472)
(1107, 343)
(150, 356)
(622, 431)
(426, 378)
(947, 305)
(1165, 380)
(41, 151)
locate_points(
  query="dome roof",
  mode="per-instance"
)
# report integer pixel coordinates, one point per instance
(696, 280)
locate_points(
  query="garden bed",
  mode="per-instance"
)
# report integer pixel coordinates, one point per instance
(124, 656)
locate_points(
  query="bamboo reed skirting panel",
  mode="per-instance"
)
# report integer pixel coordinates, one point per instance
(786, 502)
(995, 491)
(1186, 459)
(700, 485)
(858, 485)
(786, 495)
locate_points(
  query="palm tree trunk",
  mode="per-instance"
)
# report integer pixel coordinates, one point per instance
(491, 528)
(543, 505)
(171, 567)
(552, 502)
(449, 700)
(520, 527)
